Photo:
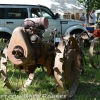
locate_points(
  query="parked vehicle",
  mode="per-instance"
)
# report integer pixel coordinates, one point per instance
(13, 15)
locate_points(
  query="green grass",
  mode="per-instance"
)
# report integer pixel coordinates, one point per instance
(44, 85)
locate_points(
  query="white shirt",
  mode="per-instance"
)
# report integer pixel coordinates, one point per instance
(92, 20)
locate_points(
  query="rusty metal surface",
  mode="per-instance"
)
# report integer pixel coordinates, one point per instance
(47, 57)
(75, 46)
(58, 66)
(42, 21)
(70, 66)
(5, 74)
(71, 71)
(20, 39)
(67, 66)
(25, 51)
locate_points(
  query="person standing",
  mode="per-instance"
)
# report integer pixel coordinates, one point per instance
(82, 17)
(92, 17)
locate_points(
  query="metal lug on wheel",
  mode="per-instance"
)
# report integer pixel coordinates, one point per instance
(5, 79)
(61, 60)
(57, 70)
(4, 85)
(2, 54)
(4, 63)
(57, 50)
(31, 76)
(60, 77)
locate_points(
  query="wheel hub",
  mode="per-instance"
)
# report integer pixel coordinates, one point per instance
(18, 52)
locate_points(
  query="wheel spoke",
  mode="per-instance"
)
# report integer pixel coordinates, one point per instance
(17, 80)
(12, 76)
(67, 73)
(20, 77)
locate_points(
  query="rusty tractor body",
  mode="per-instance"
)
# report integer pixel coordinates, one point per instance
(26, 51)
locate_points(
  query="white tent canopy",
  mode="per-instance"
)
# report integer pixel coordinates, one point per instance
(68, 6)
(61, 6)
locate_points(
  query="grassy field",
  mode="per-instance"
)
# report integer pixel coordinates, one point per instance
(44, 85)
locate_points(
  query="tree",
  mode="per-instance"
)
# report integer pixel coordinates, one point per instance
(91, 4)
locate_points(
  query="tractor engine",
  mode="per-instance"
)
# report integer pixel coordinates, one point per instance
(26, 49)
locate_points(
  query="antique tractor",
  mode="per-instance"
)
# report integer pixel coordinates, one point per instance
(26, 51)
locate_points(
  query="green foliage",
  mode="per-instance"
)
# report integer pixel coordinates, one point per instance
(91, 4)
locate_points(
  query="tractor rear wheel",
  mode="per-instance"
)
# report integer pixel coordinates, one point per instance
(67, 67)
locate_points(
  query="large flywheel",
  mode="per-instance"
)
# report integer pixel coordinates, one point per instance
(14, 78)
(67, 67)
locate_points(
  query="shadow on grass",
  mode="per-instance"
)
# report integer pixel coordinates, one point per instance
(87, 91)
(43, 83)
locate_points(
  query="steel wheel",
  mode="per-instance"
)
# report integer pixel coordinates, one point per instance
(67, 68)
(94, 52)
(14, 79)
(71, 66)
(71, 72)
